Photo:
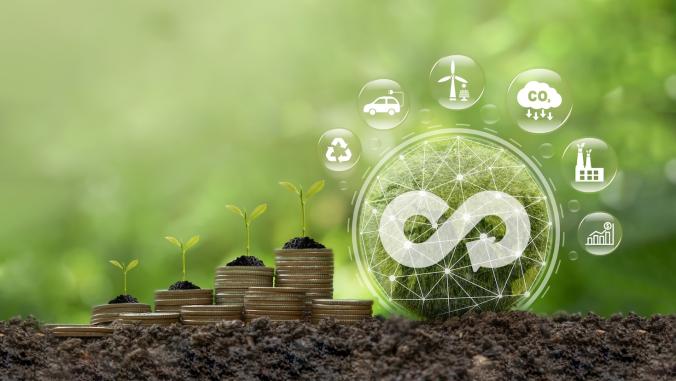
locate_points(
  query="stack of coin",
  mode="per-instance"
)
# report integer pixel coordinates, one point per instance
(150, 318)
(198, 315)
(232, 281)
(79, 330)
(310, 269)
(275, 303)
(107, 313)
(172, 300)
(343, 311)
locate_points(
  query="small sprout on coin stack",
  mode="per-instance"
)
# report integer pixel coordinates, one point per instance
(184, 247)
(125, 268)
(303, 242)
(248, 219)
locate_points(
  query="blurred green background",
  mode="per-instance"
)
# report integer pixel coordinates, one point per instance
(122, 122)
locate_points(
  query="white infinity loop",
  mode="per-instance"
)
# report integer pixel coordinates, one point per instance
(484, 252)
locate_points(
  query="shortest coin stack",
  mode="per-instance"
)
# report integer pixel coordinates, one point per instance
(173, 300)
(79, 330)
(342, 311)
(107, 313)
(150, 318)
(199, 315)
(275, 303)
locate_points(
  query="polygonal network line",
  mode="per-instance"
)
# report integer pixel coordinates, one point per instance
(455, 168)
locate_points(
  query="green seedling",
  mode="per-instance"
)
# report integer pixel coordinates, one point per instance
(125, 268)
(184, 247)
(248, 219)
(303, 196)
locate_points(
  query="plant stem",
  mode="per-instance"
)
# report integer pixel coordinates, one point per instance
(248, 237)
(183, 259)
(302, 210)
(125, 282)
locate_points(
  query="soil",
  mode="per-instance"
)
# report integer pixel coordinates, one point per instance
(123, 299)
(487, 346)
(184, 285)
(303, 243)
(246, 260)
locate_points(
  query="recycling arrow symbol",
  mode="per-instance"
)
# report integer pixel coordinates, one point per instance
(331, 150)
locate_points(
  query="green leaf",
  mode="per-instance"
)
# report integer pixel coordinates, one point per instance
(116, 264)
(235, 210)
(132, 265)
(258, 211)
(315, 188)
(192, 242)
(290, 187)
(174, 241)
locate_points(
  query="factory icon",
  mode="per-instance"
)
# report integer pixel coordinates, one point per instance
(584, 172)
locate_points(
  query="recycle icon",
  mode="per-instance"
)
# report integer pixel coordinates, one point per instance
(331, 150)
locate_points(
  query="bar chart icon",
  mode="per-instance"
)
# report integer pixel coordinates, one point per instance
(605, 237)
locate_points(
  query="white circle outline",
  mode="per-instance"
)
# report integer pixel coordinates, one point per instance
(551, 206)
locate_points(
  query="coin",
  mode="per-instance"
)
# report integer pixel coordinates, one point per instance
(183, 302)
(340, 314)
(162, 318)
(81, 331)
(338, 309)
(173, 294)
(348, 302)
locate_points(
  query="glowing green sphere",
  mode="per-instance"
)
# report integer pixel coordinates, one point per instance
(452, 221)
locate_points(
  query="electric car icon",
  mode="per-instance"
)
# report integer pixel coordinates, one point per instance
(381, 105)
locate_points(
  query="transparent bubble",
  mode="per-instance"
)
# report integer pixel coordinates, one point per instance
(490, 114)
(670, 86)
(382, 104)
(539, 101)
(546, 151)
(670, 170)
(339, 149)
(375, 144)
(589, 164)
(599, 233)
(457, 82)
(572, 255)
(574, 206)
(425, 116)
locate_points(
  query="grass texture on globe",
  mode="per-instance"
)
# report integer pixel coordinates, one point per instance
(454, 168)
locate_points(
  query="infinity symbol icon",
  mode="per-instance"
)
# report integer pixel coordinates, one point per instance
(484, 252)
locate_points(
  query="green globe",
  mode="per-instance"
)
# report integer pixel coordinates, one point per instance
(452, 221)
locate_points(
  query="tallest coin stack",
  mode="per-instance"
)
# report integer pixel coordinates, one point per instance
(309, 269)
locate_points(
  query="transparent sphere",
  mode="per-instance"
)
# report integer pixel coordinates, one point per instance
(574, 206)
(546, 150)
(382, 104)
(339, 149)
(455, 220)
(539, 101)
(490, 114)
(599, 233)
(457, 82)
(589, 164)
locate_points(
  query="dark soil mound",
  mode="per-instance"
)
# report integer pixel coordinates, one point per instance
(246, 260)
(184, 285)
(489, 346)
(303, 243)
(123, 299)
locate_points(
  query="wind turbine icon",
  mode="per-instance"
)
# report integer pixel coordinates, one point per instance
(453, 78)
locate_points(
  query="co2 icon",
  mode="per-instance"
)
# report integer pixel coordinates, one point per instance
(455, 220)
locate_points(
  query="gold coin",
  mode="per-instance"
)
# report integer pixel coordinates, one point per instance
(183, 293)
(183, 302)
(346, 302)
